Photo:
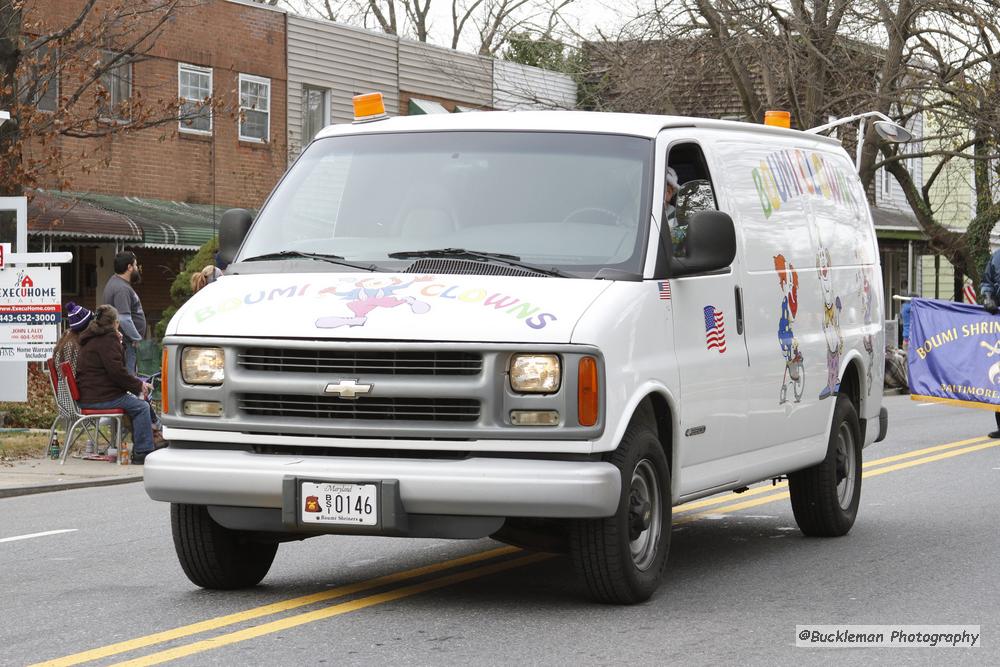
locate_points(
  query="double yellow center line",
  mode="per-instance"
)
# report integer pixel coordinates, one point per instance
(684, 514)
(722, 504)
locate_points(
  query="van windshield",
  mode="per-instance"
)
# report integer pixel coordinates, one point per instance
(575, 203)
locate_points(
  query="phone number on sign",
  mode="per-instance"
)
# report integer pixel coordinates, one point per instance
(29, 318)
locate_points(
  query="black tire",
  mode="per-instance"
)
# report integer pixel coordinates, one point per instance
(213, 556)
(821, 507)
(601, 549)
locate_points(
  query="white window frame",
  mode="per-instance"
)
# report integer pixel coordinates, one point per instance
(211, 89)
(886, 183)
(239, 121)
(327, 100)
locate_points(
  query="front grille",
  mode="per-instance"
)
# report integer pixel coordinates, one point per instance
(360, 362)
(365, 407)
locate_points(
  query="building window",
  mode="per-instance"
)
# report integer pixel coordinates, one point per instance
(255, 108)
(887, 179)
(194, 87)
(315, 111)
(41, 80)
(117, 80)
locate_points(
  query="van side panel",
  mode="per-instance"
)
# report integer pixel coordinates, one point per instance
(811, 283)
(846, 233)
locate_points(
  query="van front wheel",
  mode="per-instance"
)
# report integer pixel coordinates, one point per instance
(825, 497)
(622, 558)
(213, 556)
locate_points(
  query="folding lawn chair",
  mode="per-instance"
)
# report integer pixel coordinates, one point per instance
(79, 420)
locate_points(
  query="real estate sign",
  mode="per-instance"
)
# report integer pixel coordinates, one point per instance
(30, 312)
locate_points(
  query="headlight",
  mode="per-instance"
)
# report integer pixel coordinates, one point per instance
(535, 373)
(203, 365)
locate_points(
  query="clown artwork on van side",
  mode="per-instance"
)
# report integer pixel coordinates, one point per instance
(370, 294)
(831, 324)
(867, 340)
(794, 377)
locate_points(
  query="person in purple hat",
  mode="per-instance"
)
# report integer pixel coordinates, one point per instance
(68, 347)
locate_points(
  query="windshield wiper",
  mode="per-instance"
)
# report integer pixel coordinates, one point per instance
(320, 257)
(462, 253)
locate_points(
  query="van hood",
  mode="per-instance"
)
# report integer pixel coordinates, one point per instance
(385, 306)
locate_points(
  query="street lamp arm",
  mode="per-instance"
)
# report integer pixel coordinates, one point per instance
(849, 119)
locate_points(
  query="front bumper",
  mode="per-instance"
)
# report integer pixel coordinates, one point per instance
(477, 486)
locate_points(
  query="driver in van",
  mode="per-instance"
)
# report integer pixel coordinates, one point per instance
(677, 232)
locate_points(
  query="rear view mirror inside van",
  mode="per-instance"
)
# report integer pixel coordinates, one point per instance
(711, 244)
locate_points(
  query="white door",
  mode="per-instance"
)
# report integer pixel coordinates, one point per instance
(708, 339)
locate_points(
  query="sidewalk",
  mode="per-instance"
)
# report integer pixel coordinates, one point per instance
(41, 475)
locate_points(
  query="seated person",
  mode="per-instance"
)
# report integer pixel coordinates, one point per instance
(105, 383)
(68, 346)
(678, 232)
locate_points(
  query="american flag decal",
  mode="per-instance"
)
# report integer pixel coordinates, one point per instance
(715, 329)
(664, 290)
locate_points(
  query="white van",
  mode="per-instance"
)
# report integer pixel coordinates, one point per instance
(481, 324)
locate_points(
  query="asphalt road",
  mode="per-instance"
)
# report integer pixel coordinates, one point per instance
(741, 577)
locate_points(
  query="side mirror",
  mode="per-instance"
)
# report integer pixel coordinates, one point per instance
(233, 228)
(711, 244)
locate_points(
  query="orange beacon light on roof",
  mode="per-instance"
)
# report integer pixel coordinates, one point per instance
(369, 106)
(778, 119)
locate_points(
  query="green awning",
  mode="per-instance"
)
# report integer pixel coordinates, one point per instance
(169, 225)
(418, 107)
(900, 235)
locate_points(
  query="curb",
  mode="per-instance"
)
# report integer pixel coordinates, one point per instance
(65, 486)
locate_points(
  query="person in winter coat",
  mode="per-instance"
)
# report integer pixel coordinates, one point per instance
(104, 382)
(990, 290)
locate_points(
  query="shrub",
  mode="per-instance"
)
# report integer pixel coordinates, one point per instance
(180, 289)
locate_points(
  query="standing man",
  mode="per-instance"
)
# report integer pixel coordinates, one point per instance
(990, 290)
(120, 293)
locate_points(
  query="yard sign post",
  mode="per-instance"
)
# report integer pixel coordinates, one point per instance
(30, 304)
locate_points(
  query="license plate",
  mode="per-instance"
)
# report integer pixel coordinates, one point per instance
(339, 503)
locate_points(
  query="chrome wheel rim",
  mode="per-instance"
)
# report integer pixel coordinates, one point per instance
(644, 512)
(845, 466)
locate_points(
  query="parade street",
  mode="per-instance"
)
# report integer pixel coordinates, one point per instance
(90, 577)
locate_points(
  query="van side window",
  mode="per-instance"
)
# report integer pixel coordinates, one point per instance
(695, 193)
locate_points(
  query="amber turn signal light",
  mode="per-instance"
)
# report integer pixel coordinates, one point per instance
(587, 396)
(164, 403)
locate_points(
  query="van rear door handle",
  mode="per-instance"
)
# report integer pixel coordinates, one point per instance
(739, 310)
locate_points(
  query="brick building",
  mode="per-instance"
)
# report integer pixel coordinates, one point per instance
(159, 191)
(274, 79)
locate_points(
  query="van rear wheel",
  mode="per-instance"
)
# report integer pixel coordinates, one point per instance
(825, 497)
(213, 556)
(622, 558)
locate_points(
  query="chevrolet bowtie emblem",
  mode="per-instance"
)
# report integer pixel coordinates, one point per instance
(347, 389)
